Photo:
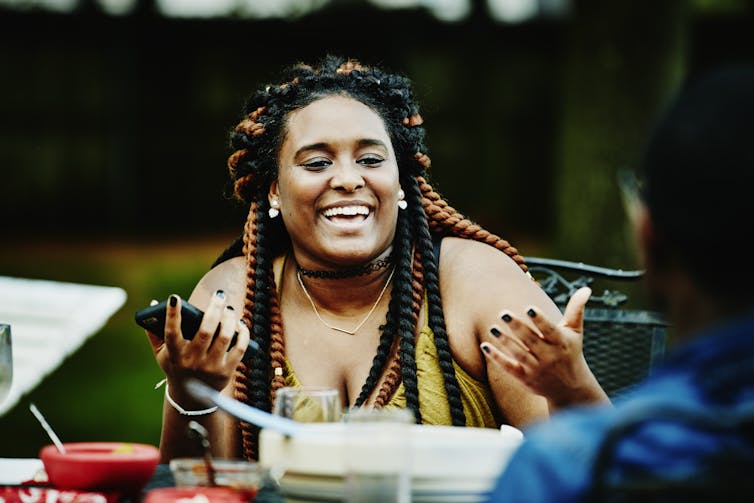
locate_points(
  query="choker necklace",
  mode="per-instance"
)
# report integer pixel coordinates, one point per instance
(369, 314)
(347, 273)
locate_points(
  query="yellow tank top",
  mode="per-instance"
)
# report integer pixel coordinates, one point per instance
(476, 396)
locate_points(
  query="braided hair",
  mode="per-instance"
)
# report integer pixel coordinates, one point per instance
(255, 142)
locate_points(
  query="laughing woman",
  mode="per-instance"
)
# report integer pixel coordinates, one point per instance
(339, 278)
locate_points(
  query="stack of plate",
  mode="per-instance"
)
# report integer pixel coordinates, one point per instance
(448, 463)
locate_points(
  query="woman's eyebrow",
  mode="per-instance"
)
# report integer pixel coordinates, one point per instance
(364, 142)
(369, 142)
(309, 148)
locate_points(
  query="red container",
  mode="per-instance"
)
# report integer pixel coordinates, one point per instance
(100, 466)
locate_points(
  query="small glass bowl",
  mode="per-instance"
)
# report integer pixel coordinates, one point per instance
(233, 473)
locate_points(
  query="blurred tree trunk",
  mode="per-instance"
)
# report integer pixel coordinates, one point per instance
(623, 60)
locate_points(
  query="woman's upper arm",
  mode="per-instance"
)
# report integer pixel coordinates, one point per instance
(227, 276)
(479, 283)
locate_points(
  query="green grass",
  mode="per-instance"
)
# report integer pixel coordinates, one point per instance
(105, 390)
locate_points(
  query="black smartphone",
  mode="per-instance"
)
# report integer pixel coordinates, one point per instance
(152, 318)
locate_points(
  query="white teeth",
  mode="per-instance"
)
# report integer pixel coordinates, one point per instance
(346, 211)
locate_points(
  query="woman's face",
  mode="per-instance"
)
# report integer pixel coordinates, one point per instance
(337, 183)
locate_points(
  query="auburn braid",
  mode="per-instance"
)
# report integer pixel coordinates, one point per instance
(258, 311)
(244, 373)
(392, 376)
(445, 220)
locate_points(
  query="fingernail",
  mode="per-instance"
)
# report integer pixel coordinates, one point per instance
(486, 348)
(494, 331)
(506, 318)
(241, 321)
(230, 308)
(220, 294)
(173, 300)
(531, 313)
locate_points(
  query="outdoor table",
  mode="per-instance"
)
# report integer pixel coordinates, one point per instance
(49, 321)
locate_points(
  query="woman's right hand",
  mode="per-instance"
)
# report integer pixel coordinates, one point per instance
(208, 356)
(547, 356)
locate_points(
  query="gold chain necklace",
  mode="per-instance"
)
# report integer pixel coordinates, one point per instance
(332, 327)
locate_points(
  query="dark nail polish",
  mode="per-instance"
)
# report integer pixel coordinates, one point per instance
(494, 331)
(486, 349)
(531, 313)
(507, 318)
(173, 300)
(220, 294)
(230, 308)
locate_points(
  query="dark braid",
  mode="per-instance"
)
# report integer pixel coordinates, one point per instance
(436, 316)
(407, 317)
(257, 311)
(256, 141)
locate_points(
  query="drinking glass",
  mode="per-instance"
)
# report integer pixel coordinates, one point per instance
(6, 361)
(378, 456)
(308, 404)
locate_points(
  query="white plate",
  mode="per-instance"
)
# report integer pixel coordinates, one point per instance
(304, 488)
(437, 452)
(448, 463)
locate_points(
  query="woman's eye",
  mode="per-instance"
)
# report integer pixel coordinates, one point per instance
(371, 160)
(316, 164)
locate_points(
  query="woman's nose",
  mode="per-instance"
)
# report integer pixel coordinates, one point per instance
(346, 176)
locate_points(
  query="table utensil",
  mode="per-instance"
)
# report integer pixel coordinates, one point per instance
(199, 432)
(50, 432)
(247, 413)
(6, 361)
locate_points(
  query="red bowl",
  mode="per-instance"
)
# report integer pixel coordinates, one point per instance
(100, 466)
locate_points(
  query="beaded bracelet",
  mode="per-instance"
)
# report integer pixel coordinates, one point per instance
(184, 412)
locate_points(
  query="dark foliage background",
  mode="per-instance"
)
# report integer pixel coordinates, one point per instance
(113, 147)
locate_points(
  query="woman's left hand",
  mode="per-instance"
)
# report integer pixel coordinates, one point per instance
(547, 357)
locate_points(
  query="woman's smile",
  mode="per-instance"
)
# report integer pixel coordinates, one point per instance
(347, 215)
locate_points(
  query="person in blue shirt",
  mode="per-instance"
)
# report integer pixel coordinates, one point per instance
(686, 433)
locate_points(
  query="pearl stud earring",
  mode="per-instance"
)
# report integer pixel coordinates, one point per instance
(402, 204)
(274, 211)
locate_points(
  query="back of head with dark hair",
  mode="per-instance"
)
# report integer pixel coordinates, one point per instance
(698, 173)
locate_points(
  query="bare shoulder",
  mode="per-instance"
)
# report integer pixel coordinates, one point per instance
(466, 256)
(478, 281)
(227, 276)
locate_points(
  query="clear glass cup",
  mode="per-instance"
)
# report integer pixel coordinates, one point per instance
(308, 404)
(6, 362)
(378, 456)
